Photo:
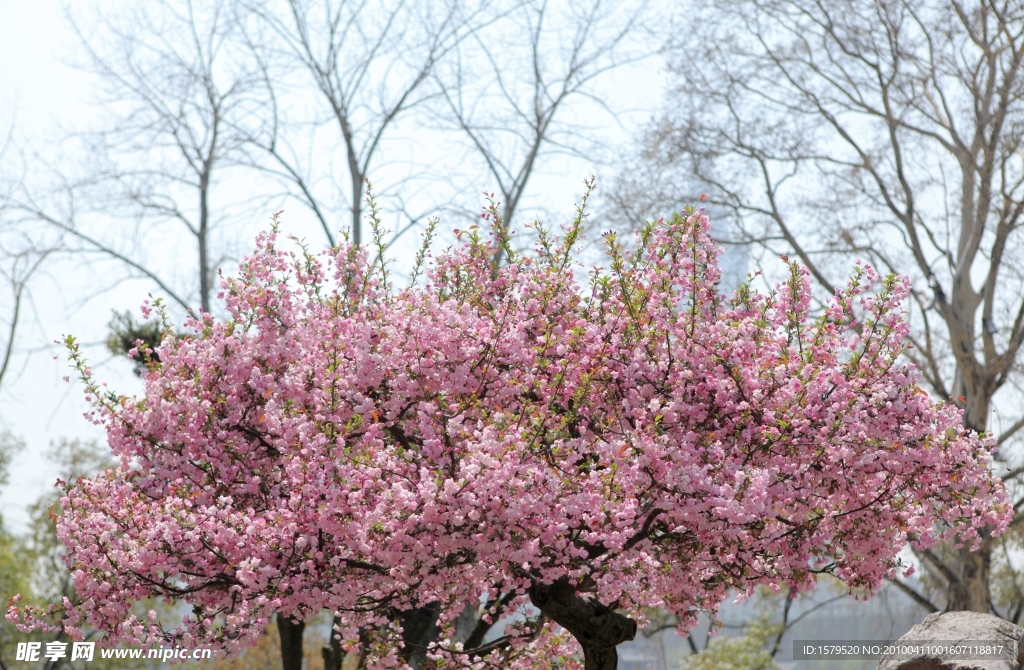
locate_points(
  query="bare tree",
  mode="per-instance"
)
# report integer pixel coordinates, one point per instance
(19, 261)
(175, 91)
(21, 257)
(512, 98)
(889, 130)
(367, 65)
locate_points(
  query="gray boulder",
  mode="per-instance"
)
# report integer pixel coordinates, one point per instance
(943, 631)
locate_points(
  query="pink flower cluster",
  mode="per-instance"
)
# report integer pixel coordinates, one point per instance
(341, 444)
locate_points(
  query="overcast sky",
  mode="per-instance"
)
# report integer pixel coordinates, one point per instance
(37, 92)
(40, 92)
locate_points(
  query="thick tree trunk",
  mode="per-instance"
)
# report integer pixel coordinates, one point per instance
(291, 642)
(332, 653)
(419, 629)
(597, 628)
(970, 592)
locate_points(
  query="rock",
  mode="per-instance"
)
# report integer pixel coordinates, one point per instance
(964, 627)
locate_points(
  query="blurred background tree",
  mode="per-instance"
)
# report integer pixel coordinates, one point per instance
(886, 131)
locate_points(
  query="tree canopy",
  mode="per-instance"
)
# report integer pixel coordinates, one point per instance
(516, 435)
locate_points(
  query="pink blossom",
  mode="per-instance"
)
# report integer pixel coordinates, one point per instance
(339, 443)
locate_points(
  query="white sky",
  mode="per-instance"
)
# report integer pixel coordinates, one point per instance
(40, 92)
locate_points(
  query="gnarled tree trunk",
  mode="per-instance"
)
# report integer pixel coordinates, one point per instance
(597, 628)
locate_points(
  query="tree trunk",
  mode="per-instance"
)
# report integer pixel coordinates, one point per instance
(419, 629)
(291, 642)
(971, 591)
(597, 628)
(203, 233)
(357, 210)
(332, 653)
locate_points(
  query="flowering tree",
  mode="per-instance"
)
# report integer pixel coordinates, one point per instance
(506, 436)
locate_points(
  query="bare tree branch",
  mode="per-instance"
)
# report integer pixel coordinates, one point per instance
(890, 131)
(511, 121)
